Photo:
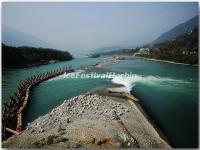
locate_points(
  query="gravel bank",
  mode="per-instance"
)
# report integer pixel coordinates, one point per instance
(90, 121)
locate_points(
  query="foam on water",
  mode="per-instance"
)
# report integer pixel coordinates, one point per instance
(130, 82)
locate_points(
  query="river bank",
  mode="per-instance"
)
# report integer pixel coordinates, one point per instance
(90, 121)
(165, 61)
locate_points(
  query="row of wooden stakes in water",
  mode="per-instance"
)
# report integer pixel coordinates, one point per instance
(17, 103)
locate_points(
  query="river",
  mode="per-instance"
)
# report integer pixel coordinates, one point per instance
(167, 92)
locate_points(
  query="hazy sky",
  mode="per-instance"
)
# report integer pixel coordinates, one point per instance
(86, 26)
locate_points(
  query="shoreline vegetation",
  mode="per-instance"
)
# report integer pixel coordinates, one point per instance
(93, 120)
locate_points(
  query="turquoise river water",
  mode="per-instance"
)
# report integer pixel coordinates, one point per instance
(167, 92)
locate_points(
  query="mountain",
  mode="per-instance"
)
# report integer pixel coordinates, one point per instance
(108, 49)
(118, 52)
(114, 50)
(182, 49)
(19, 57)
(14, 37)
(178, 30)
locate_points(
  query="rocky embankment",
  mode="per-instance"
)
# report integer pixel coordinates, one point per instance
(13, 109)
(90, 121)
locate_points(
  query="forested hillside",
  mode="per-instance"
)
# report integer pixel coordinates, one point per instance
(182, 49)
(178, 30)
(29, 56)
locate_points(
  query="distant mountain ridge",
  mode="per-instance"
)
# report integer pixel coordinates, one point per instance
(13, 37)
(178, 30)
(108, 49)
(113, 50)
